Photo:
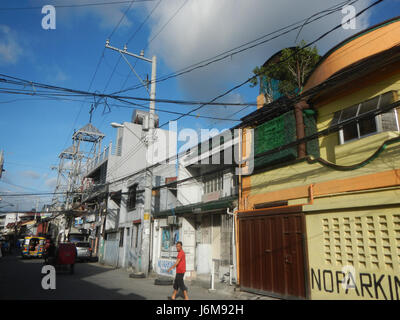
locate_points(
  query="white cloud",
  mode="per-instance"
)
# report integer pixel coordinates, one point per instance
(53, 72)
(60, 75)
(204, 28)
(10, 50)
(31, 174)
(51, 183)
(107, 15)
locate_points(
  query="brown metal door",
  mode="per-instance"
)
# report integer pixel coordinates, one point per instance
(271, 256)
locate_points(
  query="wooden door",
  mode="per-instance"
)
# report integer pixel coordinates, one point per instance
(271, 254)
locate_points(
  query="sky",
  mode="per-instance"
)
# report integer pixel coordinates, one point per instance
(180, 33)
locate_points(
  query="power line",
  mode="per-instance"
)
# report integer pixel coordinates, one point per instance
(320, 37)
(154, 37)
(76, 5)
(158, 33)
(316, 135)
(129, 40)
(37, 194)
(73, 92)
(192, 102)
(169, 20)
(134, 34)
(143, 22)
(122, 18)
(109, 37)
(281, 61)
(129, 105)
(230, 53)
(18, 186)
(331, 82)
(98, 66)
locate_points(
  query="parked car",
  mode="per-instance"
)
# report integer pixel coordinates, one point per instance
(84, 251)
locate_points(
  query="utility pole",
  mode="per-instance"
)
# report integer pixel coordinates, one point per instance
(149, 158)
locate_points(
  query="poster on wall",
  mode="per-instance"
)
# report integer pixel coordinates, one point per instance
(166, 239)
(176, 236)
(163, 266)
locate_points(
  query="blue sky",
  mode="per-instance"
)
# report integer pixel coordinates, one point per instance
(33, 130)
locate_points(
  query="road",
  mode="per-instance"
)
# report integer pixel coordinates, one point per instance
(21, 279)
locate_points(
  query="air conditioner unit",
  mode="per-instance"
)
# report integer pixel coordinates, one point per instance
(142, 117)
(163, 223)
(173, 220)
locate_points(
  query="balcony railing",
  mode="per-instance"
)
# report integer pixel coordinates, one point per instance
(99, 159)
(93, 190)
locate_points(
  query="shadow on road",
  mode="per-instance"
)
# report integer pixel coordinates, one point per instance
(21, 279)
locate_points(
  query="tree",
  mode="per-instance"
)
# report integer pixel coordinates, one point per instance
(288, 73)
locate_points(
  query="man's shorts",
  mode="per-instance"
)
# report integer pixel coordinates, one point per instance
(178, 283)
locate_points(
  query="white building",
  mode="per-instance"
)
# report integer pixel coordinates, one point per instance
(206, 192)
(124, 174)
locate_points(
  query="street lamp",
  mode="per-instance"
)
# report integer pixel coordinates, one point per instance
(116, 125)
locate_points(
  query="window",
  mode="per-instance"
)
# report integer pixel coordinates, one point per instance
(132, 197)
(366, 126)
(213, 183)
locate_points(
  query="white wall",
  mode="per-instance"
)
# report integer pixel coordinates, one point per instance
(190, 191)
(112, 215)
(134, 151)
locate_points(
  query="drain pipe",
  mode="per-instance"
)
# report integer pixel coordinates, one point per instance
(300, 129)
(233, 268)
(212, 277)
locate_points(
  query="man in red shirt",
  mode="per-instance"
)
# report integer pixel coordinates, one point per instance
(180, 265)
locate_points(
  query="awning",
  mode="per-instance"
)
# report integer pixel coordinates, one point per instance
(28, 222)
(198, 208)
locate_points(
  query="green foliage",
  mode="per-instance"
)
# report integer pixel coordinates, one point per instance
(291, 70)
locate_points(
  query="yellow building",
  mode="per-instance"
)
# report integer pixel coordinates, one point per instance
(327, 225)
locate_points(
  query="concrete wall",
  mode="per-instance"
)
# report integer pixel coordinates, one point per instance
(354, 252)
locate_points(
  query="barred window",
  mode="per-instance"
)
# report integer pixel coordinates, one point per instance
(132, 197)
(366, 126)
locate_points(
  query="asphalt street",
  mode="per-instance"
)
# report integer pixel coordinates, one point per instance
(21, 279)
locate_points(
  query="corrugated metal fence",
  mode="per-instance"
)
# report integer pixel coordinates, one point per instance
(111, 251)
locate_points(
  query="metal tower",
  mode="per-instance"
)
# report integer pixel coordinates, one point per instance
(62, 185)
(86, 146)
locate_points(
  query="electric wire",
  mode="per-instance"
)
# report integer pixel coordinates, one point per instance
(377, 1)
(129, 40)
(169, 20)
(75, 5)
(230, 53)
(281, 61)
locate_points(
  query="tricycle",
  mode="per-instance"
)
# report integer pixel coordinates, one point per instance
(64, 255)
(32, 247)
